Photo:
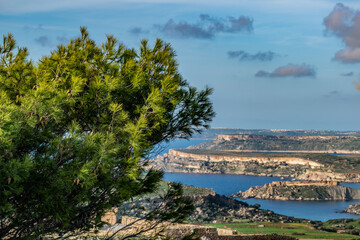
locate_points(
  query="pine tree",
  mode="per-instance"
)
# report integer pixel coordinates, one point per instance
(76, 129)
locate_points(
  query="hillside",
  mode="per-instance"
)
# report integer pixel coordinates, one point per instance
(274, 143)
(209, 207)
(212, 133)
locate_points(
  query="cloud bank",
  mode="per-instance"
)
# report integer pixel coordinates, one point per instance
(245, 56)
(344, 23)
(137, 31)
(62, 39)
(207, 27)
(43, 41)
(348, 74)
(290, 70)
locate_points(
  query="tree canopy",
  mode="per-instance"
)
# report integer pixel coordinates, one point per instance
(76, 129)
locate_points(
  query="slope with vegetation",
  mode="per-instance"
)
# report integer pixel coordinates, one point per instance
(283, 143)
(213, 132)
(208, 207)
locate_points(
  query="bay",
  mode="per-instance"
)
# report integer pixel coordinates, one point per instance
(224, 184)
(227, 184)
(178, 143)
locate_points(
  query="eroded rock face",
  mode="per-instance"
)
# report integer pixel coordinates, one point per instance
(261, 164)
(181, 160)
(355, 209)
(233, 158)
(301, 190)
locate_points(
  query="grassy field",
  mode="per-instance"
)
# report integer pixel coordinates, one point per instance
(298, 230)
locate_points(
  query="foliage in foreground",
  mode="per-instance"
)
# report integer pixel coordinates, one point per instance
(76, 127)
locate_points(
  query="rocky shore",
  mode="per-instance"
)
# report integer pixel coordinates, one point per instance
(355, 209)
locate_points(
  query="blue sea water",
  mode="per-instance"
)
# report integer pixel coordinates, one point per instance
(227, 184)
(179, 143)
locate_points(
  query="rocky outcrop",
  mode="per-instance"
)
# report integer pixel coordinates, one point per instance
(273, 143)
(234, 157)
(216, 162)
(301, 190)
(355, 209)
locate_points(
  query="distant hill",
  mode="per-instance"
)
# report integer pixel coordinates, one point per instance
(214, 132)
(291, 143)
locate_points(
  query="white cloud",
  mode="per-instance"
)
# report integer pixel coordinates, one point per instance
(344, 23)
(290, 70)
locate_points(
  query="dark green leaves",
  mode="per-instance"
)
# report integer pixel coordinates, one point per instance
(75, 130)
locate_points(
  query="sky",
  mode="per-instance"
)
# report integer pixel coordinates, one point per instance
(273, 64)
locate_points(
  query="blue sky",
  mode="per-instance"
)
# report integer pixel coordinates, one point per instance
(273, 64)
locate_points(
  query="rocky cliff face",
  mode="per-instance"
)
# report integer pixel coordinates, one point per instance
(301, 190)
(251, 142)
(231, 162)
(192, 161)
(229, 157)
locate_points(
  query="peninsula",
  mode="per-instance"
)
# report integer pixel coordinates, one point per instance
(301, 190)
(276, 143)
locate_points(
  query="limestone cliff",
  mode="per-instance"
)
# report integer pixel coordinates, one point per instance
(295, 165)
(301, 190)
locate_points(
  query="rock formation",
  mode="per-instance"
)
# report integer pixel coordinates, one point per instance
(355, 209)
(301, 190)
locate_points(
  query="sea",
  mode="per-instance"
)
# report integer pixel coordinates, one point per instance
(227, 184)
